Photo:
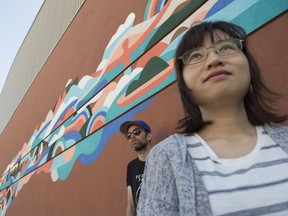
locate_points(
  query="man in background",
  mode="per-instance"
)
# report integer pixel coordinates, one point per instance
(138, 134)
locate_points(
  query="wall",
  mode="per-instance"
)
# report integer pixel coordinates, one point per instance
(62, 153)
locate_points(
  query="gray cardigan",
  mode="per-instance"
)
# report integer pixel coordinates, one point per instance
(172, 184)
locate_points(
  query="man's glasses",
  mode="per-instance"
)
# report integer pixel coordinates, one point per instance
(135, 132)
(222, 48)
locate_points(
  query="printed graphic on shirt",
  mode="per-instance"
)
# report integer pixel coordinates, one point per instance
(138, 178)
(135, 172)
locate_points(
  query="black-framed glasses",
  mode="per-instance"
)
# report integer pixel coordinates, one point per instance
(222, 48)
(135, 132)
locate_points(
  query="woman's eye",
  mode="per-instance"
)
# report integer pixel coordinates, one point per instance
(195, 56)
(227, 47)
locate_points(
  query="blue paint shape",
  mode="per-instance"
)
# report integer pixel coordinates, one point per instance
(217, 7)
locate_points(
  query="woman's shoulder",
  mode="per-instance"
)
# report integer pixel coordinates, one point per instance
(279, 134)
(173, 146)
(172, 142)
(276, 129)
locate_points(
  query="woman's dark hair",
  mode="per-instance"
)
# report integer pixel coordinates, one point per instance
(258, 99)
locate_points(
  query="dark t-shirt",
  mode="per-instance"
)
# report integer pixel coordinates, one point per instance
(135, 171)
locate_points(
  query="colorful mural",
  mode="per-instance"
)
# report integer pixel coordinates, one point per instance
(89, 111)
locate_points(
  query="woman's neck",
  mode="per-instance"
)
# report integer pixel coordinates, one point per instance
(231, 135)
(226, 121)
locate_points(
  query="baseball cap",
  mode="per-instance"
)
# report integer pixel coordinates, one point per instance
(124, 127)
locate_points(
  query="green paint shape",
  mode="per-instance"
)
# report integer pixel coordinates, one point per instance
(154, 66)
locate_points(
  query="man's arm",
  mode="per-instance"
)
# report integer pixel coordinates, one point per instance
(130, 210)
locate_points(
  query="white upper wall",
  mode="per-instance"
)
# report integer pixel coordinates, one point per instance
(44, 34)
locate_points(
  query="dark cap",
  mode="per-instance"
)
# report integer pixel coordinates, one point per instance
(124, 127)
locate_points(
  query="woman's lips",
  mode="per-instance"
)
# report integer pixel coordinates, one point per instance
(217, 73)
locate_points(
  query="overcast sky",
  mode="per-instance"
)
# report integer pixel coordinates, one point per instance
(16, 17)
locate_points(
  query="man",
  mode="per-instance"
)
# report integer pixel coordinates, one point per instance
(138, 134)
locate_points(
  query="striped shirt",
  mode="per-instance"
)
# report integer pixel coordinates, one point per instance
(256, 184)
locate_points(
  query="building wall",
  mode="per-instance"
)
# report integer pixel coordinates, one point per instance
(46, 31)
(62, 153)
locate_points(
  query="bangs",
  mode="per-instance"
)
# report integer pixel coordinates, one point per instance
(194, 37)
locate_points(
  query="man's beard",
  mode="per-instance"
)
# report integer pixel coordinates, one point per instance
(141, 147)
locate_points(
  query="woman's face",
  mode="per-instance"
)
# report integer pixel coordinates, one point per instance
(218, 79)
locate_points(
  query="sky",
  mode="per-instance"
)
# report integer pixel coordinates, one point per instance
(16, 18)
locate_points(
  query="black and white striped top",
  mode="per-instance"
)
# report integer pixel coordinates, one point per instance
(256, 184)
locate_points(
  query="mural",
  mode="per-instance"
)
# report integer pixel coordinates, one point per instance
(89, 111)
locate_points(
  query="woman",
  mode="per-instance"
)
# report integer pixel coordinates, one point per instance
(228, 160)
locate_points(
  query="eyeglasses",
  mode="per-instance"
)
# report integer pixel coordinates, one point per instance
(222, 48)
(135, 132)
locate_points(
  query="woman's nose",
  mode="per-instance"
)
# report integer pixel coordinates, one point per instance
(213, 59)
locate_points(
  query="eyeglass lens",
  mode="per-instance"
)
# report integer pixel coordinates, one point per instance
(135, 132)
(223, 48)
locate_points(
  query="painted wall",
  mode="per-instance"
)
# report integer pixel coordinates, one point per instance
(62, 153)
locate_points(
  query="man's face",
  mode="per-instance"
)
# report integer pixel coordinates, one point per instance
(138, 138)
